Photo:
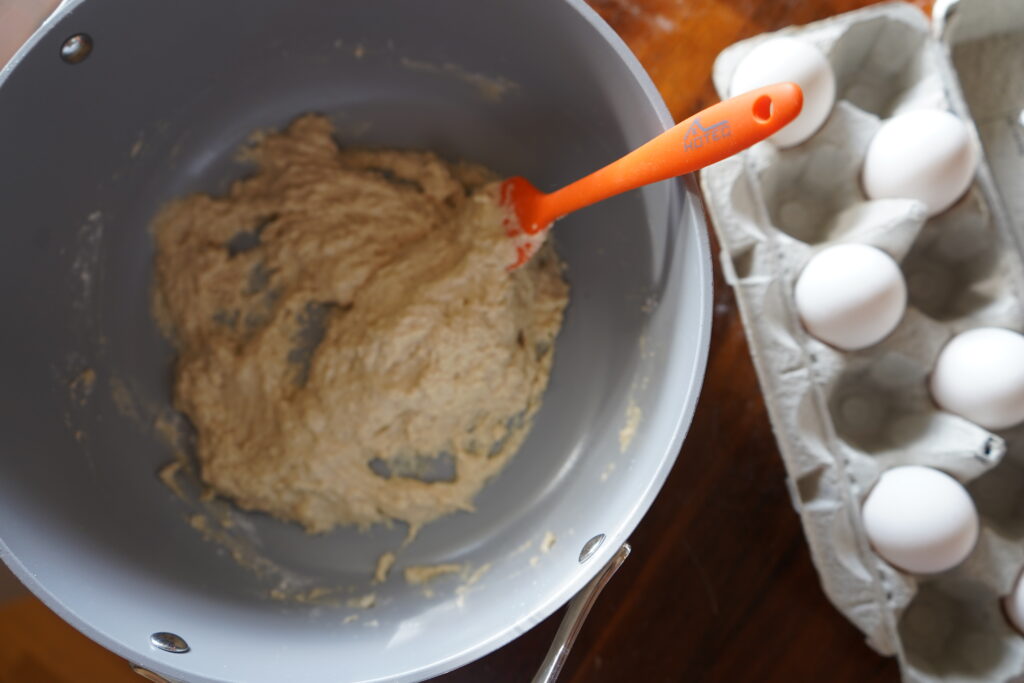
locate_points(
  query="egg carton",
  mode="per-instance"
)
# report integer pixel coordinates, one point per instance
(842, 418)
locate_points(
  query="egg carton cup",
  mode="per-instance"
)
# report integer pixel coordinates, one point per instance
(842, 418)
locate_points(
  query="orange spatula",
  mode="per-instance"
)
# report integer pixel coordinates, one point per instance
(701, 140)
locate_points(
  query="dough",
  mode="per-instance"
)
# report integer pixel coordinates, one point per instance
(351, 348)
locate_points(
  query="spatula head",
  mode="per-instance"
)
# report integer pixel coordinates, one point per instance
(524, 226)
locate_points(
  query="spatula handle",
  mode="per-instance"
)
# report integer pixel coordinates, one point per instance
(705, 138)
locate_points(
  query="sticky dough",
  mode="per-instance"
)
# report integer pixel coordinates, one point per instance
(346, 330)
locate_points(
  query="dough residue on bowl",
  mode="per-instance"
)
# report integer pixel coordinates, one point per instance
(384, 564)
(420, 574)
(351, 347)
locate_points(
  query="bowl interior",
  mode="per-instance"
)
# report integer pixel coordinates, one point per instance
(169, 93)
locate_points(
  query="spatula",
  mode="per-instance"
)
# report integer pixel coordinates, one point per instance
(705, 138)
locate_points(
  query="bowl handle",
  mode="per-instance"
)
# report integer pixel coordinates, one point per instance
(574, 617)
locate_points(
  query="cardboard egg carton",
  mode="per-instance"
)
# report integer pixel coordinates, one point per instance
(842, 418)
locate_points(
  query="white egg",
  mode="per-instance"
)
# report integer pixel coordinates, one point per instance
(851, 296)
(920, 519)
(979, 375)
(1014, 604)
(926, 155)
(788, 59)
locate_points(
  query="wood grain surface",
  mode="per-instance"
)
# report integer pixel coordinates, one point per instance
(720, 585)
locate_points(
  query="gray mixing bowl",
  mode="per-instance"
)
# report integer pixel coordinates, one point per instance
(88, 151)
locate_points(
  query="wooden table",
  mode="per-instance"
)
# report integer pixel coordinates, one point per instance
(720, 586)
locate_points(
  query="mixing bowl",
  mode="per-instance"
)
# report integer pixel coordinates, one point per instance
(92, 141)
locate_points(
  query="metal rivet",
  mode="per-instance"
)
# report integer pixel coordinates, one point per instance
(169, 642)
(590, 547)
(76, 48)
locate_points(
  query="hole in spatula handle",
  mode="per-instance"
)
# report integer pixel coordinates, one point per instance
(763, 109)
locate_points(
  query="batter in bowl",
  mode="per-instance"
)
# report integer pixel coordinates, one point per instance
(351, 348)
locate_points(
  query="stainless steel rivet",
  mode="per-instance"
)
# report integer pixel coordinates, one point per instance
(148, 675)
(76, 48)
(590, 547)
(169, 642)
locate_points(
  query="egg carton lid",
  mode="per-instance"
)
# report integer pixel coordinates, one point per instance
(984, 40)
